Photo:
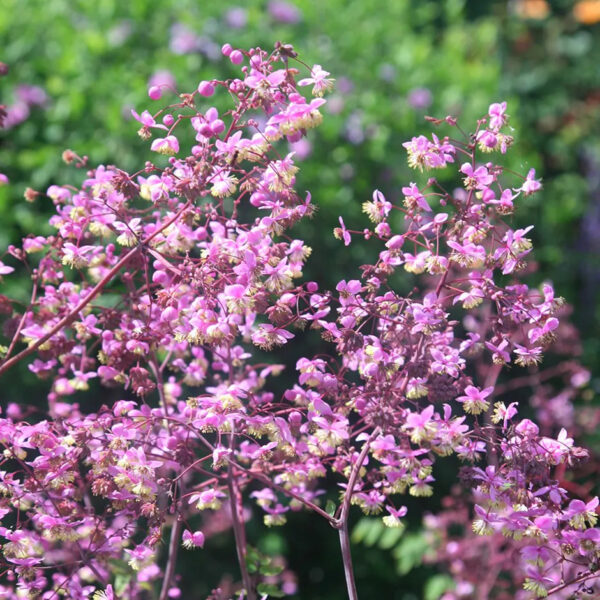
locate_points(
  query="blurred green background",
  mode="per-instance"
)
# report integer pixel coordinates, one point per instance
(78, 67)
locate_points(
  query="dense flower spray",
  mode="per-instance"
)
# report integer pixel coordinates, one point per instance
(158, 285)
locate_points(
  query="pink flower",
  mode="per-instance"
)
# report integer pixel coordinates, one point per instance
(474, 400)
(319, 80)
(530, 185)
(146, 119)
(412, 196)
(192, 540)
(168, 145)
(5, 269)
(342, 233)
(478, 178)
(259, 81)
(497, 114)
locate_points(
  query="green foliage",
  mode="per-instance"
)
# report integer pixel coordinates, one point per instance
(437, 585)
(265, 566)
(408, 549)
(270, 590)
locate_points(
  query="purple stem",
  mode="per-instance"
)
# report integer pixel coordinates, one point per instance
(239, 532)
(172, 560)
(347, 559)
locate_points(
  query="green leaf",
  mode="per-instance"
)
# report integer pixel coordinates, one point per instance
(330, 507)
(390, 537)
(409, 552)
(269, 589)
(253, 559)
(121, 584)
(360, 530)
(374, 533)
(437, 585)
(270, 569)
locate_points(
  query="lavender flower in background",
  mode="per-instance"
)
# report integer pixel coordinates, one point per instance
(210, 49)
(387, 72)
(335, 105)
(420, 98)
(345, 85)
(302, 148)
(355, 132)
(15, 114)
(284, 12)
(32, 95)
(27, 97)
(236, 18)
(183, 40)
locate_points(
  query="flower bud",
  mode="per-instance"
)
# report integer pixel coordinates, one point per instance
(154, 92)
(206, 130)
(236, 57)
(68, 156)
(30, 194)
(217, 126)
(206, 88)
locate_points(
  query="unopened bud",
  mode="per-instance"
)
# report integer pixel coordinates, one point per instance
(236, 57)
(30, 194)
(206, 130)
(154, 92)
(4, 69)
(206, 88)
(68, 156)
(217, 126)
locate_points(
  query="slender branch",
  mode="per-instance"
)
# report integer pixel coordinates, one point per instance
(307, 503)
(84, 555)
(345, 509)
(342, 522)
(239, 533)
(490, 381)
(264, 479)
(172, 560)
(160, 386)
(71, 316)
(526, 380)
(580, 579)
(347, 559)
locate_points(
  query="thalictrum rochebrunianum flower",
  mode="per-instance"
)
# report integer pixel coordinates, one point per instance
(160, 285)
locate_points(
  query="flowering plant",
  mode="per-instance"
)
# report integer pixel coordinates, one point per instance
(163, 285)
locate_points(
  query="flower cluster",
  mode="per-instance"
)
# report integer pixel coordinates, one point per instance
(162, 285)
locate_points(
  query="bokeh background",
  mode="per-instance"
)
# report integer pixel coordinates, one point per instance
(78, 67)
